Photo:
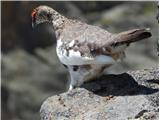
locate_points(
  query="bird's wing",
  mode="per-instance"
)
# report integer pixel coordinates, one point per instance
(86, 44)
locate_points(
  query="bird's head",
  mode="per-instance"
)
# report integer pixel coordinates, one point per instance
(43, 14)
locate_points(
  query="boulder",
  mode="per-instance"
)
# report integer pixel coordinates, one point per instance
(128, 96)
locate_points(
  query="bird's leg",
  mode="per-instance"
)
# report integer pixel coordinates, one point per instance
(71, 87)
(76, 76)
(75, 81)
(81, 74)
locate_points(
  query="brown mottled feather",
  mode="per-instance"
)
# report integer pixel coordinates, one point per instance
(93, 40)
(131, 36)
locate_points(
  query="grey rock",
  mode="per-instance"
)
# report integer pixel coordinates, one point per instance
(128, 96)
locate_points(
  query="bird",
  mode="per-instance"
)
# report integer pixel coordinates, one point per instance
(86, 50)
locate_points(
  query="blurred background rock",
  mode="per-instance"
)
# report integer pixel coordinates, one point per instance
(31, 71)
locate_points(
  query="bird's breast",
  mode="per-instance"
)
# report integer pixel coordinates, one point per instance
(70, 56)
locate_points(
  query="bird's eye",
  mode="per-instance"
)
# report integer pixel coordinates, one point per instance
(48, 15)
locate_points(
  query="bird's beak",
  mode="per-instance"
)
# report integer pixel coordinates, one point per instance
(33, 25)
(33, 15)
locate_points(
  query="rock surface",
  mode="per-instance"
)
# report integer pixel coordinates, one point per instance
(128, 96)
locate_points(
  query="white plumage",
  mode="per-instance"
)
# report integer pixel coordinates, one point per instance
(75, 58)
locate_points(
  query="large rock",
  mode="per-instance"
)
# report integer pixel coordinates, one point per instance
(129, 96)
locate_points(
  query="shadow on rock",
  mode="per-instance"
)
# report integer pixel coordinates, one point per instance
(119, 85)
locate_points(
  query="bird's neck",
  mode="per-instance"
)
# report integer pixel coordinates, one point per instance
(58, 24)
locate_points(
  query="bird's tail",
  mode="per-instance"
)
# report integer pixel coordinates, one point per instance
(122, 40)
(130, 36)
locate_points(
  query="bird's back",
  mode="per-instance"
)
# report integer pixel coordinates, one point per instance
(84, 33)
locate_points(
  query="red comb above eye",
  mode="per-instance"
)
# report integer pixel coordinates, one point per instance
(33, 13)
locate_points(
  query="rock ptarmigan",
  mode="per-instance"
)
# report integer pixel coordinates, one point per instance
(84, 49)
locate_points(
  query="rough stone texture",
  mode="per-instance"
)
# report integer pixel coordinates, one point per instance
(128, 96)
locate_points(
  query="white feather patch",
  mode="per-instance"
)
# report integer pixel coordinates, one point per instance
(71, 43)
(75, 58)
